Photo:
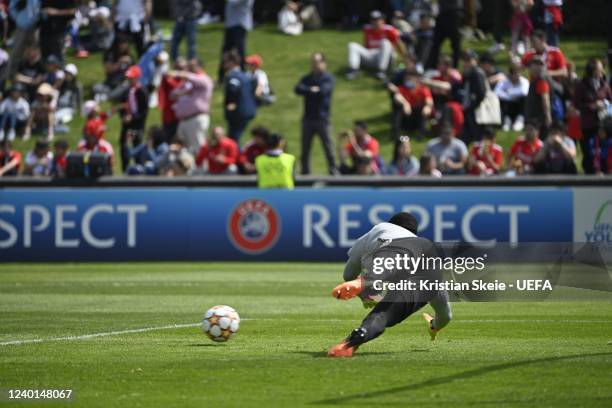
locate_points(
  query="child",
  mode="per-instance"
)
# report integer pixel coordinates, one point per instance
(521, 26)
(42, 119)
(263, 92)
(428, 166)
(38, 162)
(70, 96)
(14, 112)
(10, 159)
(59, 164)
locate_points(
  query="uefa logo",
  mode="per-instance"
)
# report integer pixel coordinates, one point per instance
(253, 226)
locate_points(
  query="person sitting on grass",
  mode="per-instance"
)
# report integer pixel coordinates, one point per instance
(93, 139)
(523, 151)
(60, 162)
(405, 163)
(147, 156)
(428, 166)
(451, 153)
(39, 161)
(220, 154)
(486, 157)
(14, 112)
(558, 155)
(363, 150)
(252, 149)
(10, 160)
(42, 118)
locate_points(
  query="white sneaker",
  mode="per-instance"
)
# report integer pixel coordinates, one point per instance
(507, 124)
(519, 124)
(520, 48)
(11, 135)
(497, 48)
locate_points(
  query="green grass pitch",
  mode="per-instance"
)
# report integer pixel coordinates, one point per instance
(492, 354)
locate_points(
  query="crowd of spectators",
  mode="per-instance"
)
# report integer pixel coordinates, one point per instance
(458, 102)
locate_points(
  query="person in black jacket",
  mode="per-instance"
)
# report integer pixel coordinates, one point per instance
(474, 92)
(133, 114)
(317, 88)
(240, 102)
(448, 23)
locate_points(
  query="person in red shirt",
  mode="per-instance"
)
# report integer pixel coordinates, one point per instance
(364, 151)
(486, 157)
(221, 153)
(443, 80)
(168, 85)
(255, 147)
(523, 150)
(414, 104)
(10, 160)
(59, 164)
(553, 57)
(93, 140)
(376, 53)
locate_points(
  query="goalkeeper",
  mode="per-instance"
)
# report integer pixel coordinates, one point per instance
(389, 239)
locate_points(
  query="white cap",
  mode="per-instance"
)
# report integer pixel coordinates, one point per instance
(71, 69)
(88, 107)
(163, 57)
(100, 12)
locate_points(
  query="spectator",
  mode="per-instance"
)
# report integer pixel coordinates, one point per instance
(60, 163)
(451, 153)
(493, 73)
(132, 20)
(42, 117)
(10, 160)
(538, 104)
(521, 159)
(134, 111)
(592, 94)
(83, 9)
(428, 166)
(238, 22)
(377, 51)
(185, 14)
(552, 56)
(25, 15)
(117, 60)
(414, 105)
(147, 157)
(70, 95)
(405, 163)
(93, 139)
(512, 92)
(289, 21)
(553, 21)
(486, 157)
(447, 27)
(275, 168)
(444, 81)
(54, 74)
(55, 20)
(521, 25)
(240, 103)
(263, 91)
(220, 155)
(317, 88)
(192, 106)
(474, 92)
(31, 71)
(255, 147)
(39, 161)
(14, 113)
(177, 162)
(363, 150)
(421, 39)
(101, 31)
(558, 154)
(601, 149)
(168, 85)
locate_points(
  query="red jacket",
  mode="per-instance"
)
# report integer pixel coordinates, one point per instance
(226, 147)
(166, 87)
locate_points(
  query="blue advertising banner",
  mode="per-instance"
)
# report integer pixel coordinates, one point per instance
(120, 224)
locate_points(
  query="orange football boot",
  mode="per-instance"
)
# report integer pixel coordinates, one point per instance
(432, 332)
(348, 290)
(341, 350)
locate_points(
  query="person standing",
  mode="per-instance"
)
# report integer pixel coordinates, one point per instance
(54, 22)
(133, 114)
(238, 22)
(474, 92)
(132, 18)
(448, 23)
(25, 15)
(240, 102)
(186, 14)
(192, 106)
(317, 88)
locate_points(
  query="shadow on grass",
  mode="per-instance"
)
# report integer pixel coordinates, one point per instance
(464, 375)
(323, 354)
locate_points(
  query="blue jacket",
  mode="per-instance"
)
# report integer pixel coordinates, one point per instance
(240, 90)
(317, 105)
(27, 17)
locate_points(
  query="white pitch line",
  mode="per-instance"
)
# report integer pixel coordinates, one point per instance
(94, 335)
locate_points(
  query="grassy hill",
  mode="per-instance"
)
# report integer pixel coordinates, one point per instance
(286, 59)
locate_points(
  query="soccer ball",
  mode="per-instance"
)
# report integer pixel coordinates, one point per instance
(221, 323)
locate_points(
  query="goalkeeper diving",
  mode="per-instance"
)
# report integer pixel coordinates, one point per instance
(397, 237)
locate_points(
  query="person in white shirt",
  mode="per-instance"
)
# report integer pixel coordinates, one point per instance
(39, 161)
(512, 93)
(263, 91)
(14, 112)
(132, 19)
(289, 21)
(397, 237)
